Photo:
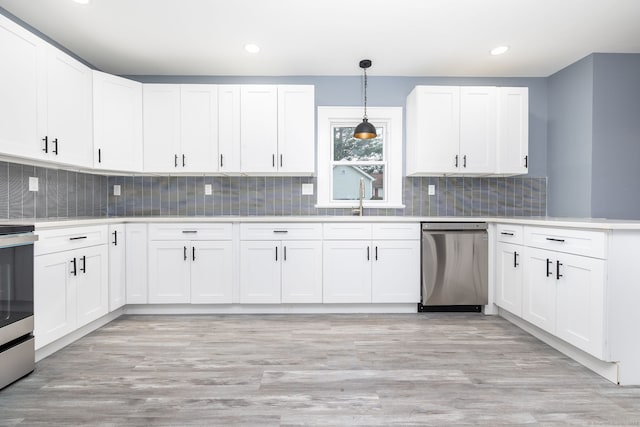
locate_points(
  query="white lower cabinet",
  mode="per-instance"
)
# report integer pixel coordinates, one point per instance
(70, 291)
(382, 269)
(509, 277)
(260, 272)
(136, 263)
(183, 271)
(117, 267)
(301, 272)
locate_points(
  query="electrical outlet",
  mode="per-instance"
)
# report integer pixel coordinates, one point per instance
(208, 190)
(116, 190)
(431, 189)
(307, 189)
(33, 183)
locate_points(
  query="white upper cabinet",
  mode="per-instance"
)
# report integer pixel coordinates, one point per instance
(67, 111)
(45, 100)
(228, 128)
(473, 130)
(180, 128)
(513, 130)
(161, 121)
(199, 127)
(19, 50)
(117, 123)
(277, 129)
(478, 130)
(296, 107)
(259, 128)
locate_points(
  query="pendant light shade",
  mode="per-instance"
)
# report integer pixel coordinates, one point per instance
(365, 130)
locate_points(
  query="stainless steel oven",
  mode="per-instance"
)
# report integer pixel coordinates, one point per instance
(17, 356)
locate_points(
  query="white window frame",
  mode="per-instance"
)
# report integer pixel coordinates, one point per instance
(388, 117)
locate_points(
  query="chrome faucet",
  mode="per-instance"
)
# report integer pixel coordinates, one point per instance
(358, 211)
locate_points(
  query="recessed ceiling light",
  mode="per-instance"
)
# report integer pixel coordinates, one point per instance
(82, 1)
(499, 50)
(252, 48)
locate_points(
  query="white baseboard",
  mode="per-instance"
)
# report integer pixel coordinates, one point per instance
(270, 308)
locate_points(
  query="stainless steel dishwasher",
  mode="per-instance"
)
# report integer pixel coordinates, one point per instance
(454, 266)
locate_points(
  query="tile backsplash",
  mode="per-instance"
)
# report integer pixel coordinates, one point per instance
(74, 194)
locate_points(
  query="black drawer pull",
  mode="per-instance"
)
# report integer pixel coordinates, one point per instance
(280, 231)
(77, 238)
(189, 231)
(555, 240)
(504, 233)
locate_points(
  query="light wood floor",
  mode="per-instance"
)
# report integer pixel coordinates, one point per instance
(290, 370)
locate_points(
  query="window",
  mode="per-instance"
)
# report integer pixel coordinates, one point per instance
(345, 164)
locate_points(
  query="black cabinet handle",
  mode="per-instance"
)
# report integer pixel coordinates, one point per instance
(558, 275)
(526, 161)
(549, 262)
(280, 160)
(175, 160)
(464, 161)
(276, 253)
(115, 238)
(185, 253)
(184, 160)
(55, 143)
(284, 255)
(193, 253)
(280, 231)
(77, 238)
(504, 233)
(84, 264)
(555, 240)
(189, 231)
(99, 155)
(456, 160)
(515, 259)
(75, 267)
(273, 160)
(368, 256)
(46, 144)
(376, 255)
(221, 161)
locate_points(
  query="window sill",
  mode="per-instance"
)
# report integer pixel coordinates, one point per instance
(356, 206)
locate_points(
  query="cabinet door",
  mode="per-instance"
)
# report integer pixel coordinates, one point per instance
(19, 50)
(211, 272)
(260, 272)
(396, 271)
(169, 277)
(513, 130)
(509, 277)
(229, 128)
(117, 123)
(437, 143)
(539, 289)
(199, 128)
(136, 263)
(296, 129)
(478, 129)
(93, 283)
(69, 107)
(302, 271)
(259, 128)
(54, 297)
(161, 123)
(117, 267)
(580, 302)
(346, 271)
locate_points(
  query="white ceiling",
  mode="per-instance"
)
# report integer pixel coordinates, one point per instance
(329, 37)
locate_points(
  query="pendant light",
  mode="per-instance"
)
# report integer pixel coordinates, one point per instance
(365, 130)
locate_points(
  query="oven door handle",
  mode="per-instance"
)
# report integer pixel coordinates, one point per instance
(17, 239)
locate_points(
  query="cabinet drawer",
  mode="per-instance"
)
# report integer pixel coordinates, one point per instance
(510, 233)
(281, 231)
(396, 231)
(64, 239)
(195, 231)
(347, 231)
(579, 242)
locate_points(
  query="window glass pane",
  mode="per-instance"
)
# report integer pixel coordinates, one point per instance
(346, 147)
(346, 182)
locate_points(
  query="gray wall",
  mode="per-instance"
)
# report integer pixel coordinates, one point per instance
(616, 136)
(570, 140)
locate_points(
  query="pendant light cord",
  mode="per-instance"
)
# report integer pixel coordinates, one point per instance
(365, 93)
